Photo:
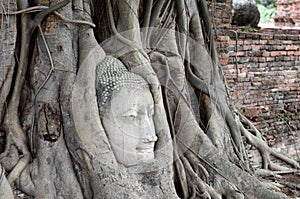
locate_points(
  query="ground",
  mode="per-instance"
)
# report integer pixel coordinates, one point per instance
(289, 145)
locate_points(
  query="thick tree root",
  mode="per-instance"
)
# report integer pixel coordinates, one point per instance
(16, 138)
(265, 151)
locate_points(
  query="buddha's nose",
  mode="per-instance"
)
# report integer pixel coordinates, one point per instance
(147, 129)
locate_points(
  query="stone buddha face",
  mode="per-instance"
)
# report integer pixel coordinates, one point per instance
(128, 122)
(126, 110)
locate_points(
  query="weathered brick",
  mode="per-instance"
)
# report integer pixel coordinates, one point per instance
(262, 59)
(266, 36)
(297, 53)
(266, 54)
(292, 48)
(255, 47)
(275, 53)
(261, 42)
(247, 42)
(274, 42)
(224, 62)
(253, 59)
(281, 47)
(292, 37)
(223, 38)
(280, 36)
(270, 59)
(263, 65)
(246, 47)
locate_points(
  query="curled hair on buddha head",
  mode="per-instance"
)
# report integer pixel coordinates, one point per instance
(112, 75)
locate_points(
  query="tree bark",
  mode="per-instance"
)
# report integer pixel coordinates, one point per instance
(56, 146)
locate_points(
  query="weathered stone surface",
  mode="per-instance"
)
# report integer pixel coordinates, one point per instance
(245, 13)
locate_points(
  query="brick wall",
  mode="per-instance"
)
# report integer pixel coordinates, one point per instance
(262, 68)
(287, 13)
(263, 72)
(220, 12)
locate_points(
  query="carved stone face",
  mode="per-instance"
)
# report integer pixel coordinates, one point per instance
(128, 122)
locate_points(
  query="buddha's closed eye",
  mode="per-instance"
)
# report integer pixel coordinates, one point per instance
(131, 114)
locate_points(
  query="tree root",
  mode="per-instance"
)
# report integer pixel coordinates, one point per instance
(198, 186)
(16, 135)
(17, 138)
(5, 189)
(265, 151)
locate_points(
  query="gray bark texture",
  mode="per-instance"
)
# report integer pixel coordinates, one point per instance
(55, 143)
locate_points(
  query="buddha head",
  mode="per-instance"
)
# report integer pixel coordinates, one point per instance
(126, 111)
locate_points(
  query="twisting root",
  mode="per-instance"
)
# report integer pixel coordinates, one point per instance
(265, 151)
(41, 8)
(13, 127)
(12, 123)
(196, 184)
(134, 45)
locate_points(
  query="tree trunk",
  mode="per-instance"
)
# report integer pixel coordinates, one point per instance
(56, 145)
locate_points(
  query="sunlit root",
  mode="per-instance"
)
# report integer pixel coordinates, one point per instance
(265, 151)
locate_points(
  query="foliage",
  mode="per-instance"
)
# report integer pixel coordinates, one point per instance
(267, 3)
(266, 12)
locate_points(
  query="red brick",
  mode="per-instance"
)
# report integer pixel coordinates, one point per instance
(280, 36)
(266, 54)
(263, 65)
(224, 56)
(274, 42)
(292, 37)
(263, 42)
(275, 53)
(224, 62)
(266, 36)
(280, 47)
(221, 44)
(247, 47)
(253, 59)
(262, 59)
(287, 42)
(247, 42)
(239, 54)
(231, 66)
(297, 53)
(223, 38)
(283, 53)
(255, 47)
(292, 48)
(269, 59)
